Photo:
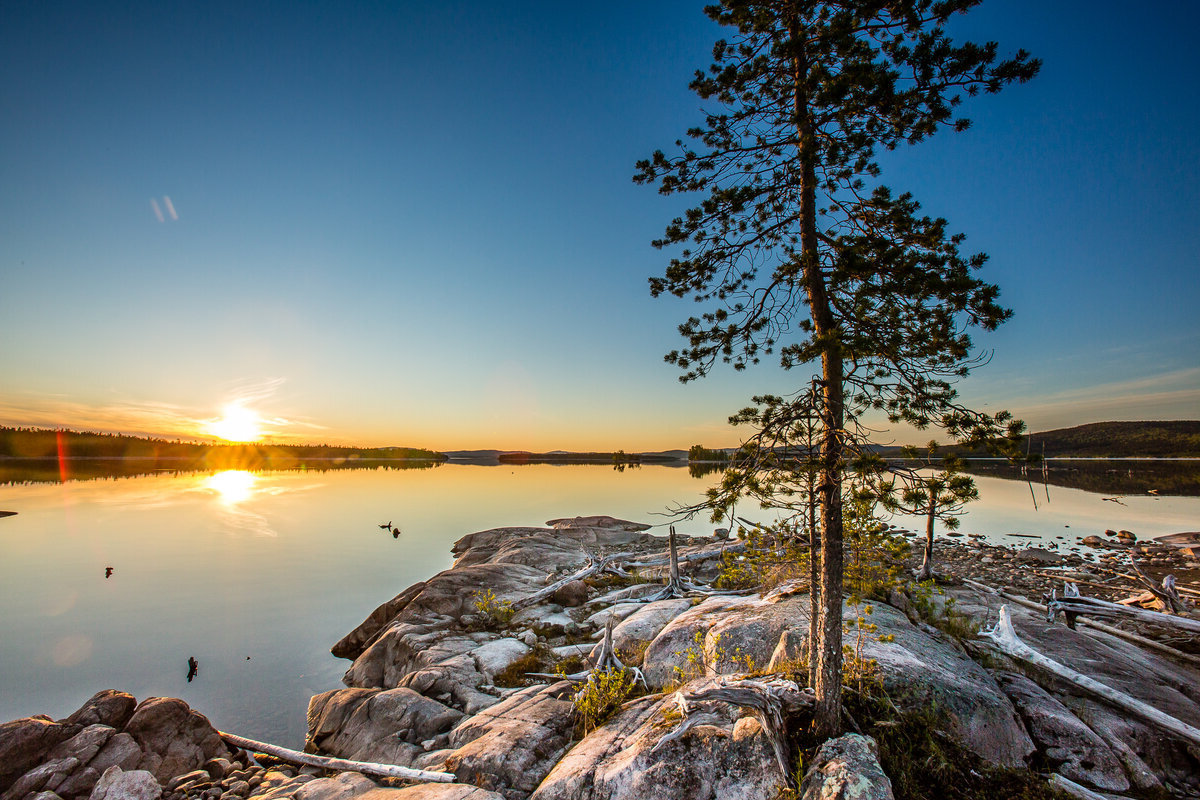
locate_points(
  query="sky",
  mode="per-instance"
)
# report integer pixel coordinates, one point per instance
(414, 223)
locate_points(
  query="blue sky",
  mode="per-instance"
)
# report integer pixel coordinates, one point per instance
(414, 223)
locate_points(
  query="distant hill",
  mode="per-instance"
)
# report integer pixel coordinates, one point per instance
(1154, 439)
(1150, 439)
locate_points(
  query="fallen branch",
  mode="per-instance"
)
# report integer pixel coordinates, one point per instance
(1073, 603)
(1133, 638)
(1006, 640)
(1167, 593)
(703, 555)
(1182, 589)
(1072, 788)
(342, 764)
(592, 568)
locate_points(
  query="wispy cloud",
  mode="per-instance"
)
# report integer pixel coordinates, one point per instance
(145, 418)
(1173, 394)
(148, 418)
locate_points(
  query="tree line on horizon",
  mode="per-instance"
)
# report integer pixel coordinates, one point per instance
(44, 443)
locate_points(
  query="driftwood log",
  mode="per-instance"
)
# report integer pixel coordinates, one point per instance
(769, 700)
(608, 563)
(1132, 638)
(342, 764)
(1167, 593)
(703, 555)
(1072, 788)
(1006, 640)
(1072, 604)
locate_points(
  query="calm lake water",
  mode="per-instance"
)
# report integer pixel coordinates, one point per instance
(258, 574)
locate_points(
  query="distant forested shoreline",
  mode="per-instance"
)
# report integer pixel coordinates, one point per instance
(64, 443)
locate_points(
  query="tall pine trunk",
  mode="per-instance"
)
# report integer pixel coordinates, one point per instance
(826, 676)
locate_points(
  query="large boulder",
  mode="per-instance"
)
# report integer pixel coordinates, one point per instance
(1150, 758)
(922, 668)
(511, 746)
(117, 784)
(646, 622)
(47, 776)
(625, 760)
(24, 744)
(1070, 746)
(677, 654)
(385, 726)
(172, 737)
(98, 748)
(402, 649)
(108, 707)
(498, 655)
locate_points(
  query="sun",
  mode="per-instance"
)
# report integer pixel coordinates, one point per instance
(239, 424)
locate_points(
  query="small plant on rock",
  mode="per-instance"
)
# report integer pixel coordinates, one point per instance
(601, 696)
(498, 613)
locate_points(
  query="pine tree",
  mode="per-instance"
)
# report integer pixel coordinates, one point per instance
(796, 250)
(935, 488)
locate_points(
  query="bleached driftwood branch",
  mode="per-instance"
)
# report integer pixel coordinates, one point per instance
(1133, 638)
(703, 555)
(1005, 638)
(1073, 603)
(1072, 788)
(770, 701)
(677, 585)
(593, 568)
(325, 762)
(1167, 593)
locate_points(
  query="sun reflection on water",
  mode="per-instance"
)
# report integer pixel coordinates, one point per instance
(232, 486)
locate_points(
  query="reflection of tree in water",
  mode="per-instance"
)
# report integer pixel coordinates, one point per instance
(700, 469)
(42, 470)
(1180, 478)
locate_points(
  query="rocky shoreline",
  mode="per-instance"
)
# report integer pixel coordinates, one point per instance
(440, 680)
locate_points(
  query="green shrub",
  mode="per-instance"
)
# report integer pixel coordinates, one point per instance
(773, 555)
(600, 697)
(498, 613)
(944, 616)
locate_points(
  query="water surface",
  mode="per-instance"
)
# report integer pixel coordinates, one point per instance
(258, 574)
